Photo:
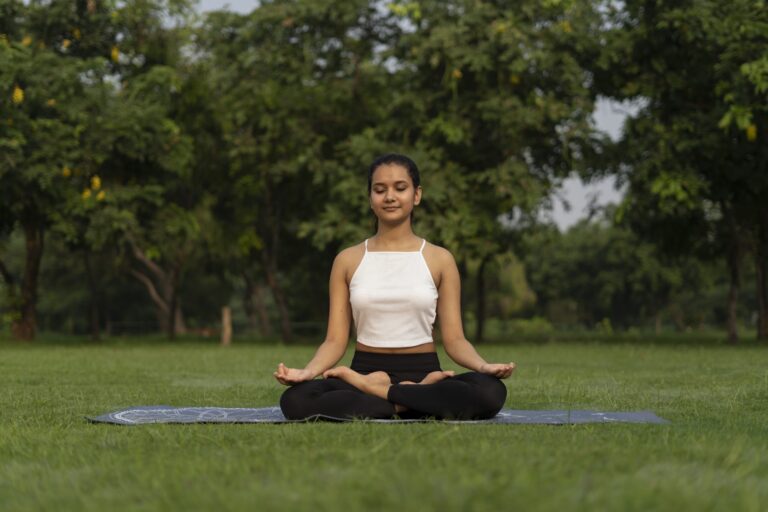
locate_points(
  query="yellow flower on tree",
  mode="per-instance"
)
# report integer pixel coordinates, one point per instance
(66, 172)
(51, 102)
(77, 34)
(101, 195)
(95, 183)
(457, 74)
(752, 132)
(115, 55)
(86, 193)
(65, 43)
(26, 40)
(18, 94)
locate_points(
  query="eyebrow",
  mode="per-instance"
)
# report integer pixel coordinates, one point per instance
(396, 183)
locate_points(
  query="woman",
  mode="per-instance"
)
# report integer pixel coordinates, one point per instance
(394, 285)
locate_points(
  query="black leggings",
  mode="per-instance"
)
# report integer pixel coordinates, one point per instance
(467, 396)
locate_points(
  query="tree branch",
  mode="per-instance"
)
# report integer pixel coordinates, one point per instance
(156, 298)
(151, 265)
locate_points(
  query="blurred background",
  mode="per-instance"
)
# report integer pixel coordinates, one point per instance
(597, 168)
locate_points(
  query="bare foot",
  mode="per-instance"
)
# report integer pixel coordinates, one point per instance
(433, 377)
(376, 383)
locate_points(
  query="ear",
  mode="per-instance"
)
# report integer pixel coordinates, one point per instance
(417, 196)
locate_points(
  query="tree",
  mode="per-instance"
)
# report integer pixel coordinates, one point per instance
(291, 81)
(598, 273)
(494, 104)
(42, 134)
(696, 174)
(61, 69)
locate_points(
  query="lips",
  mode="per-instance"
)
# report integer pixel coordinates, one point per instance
(391, 208)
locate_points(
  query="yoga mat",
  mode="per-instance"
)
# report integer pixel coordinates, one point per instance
(168, 414)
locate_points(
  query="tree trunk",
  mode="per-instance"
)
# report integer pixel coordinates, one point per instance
(480, 315)
(734, 271)
(226, 326)
(94, 299)
(462, 267)
(161, 286)
(10, 284)
(761, 256)
(255, 309)
(762, 298)
(277, 293)
(179, 324)
(25, 327)
(269, 256)
(173, 305)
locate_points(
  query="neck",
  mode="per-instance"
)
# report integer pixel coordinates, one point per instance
(395, 237)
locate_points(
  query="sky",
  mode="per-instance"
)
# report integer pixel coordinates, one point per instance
(609, 117)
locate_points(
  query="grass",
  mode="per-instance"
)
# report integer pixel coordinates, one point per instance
(713, 456)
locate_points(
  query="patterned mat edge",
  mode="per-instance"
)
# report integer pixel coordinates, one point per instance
(272, 415)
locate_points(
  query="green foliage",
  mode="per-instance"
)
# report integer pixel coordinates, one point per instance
(490, 101)
(604, 276)
(232, 148)
(691, 155)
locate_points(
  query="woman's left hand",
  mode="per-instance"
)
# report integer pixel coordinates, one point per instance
(500, 370)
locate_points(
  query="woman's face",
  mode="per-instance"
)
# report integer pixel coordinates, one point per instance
(393, 196)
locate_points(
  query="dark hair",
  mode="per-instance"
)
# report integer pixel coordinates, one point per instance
(394, 158)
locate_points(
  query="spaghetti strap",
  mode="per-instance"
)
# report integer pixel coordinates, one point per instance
(422, 245)
(366, 245)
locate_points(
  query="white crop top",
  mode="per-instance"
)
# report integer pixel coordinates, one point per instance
(393, 298)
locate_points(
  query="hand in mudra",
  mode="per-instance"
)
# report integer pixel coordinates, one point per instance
(500, 370)
(290, 376)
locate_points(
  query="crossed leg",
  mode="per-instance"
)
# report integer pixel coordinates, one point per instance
(334, 398)
(440, 394)
(346, 393)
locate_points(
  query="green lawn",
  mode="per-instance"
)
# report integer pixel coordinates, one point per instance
(713, 456)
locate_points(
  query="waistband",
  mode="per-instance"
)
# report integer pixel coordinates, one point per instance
(371, 361)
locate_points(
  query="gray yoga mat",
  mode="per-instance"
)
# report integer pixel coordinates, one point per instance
(168, 414)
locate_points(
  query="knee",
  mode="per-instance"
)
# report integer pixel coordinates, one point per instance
(294, 402)
(492, 393)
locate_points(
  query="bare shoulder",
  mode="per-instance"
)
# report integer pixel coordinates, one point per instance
(348, 260)
(440, 255)
(439, 260)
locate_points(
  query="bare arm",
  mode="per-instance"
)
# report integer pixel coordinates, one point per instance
(339, 317)
(449, 314)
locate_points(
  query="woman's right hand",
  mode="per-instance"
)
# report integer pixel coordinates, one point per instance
(290, 376)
